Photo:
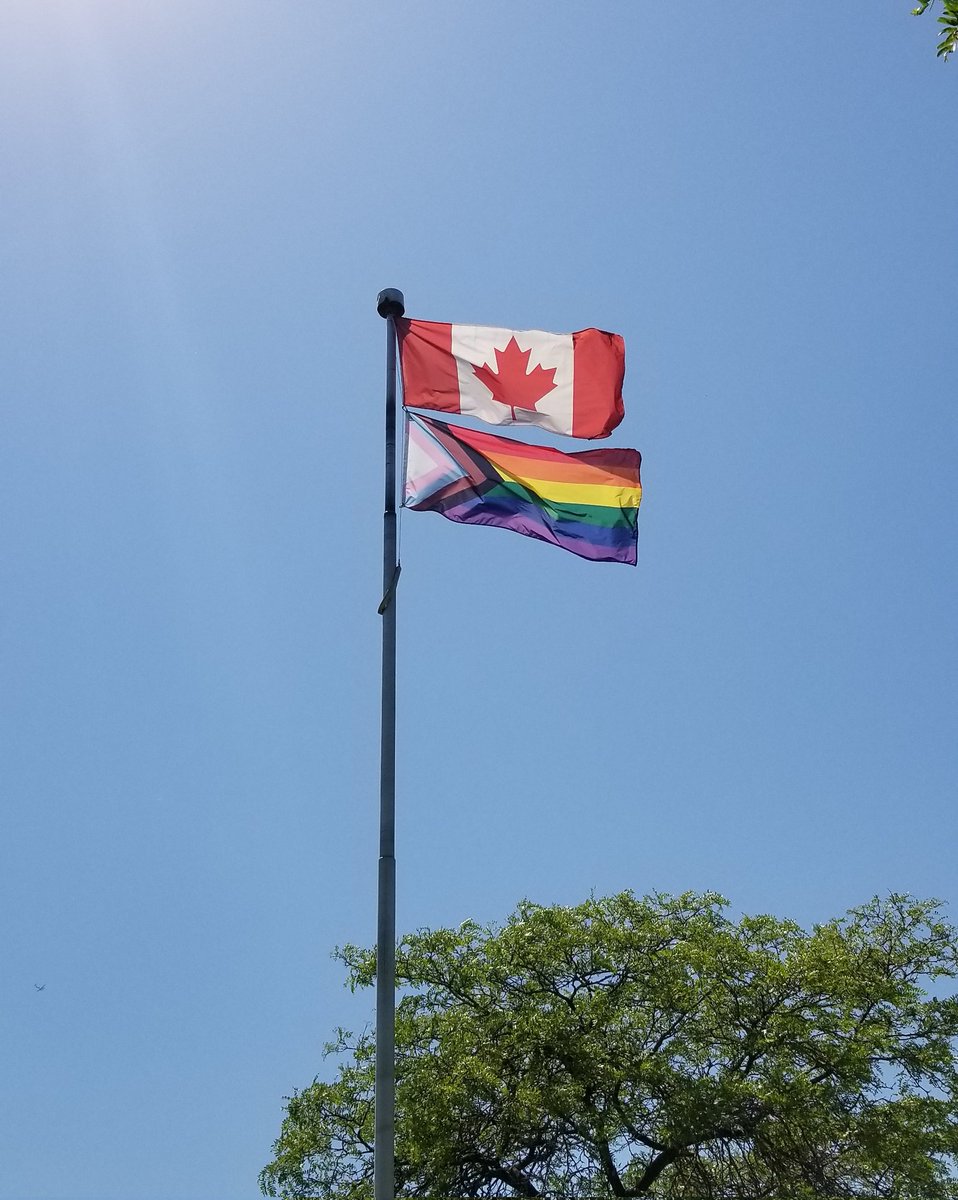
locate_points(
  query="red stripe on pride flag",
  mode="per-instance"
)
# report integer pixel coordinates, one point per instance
(429, 375)
(598, 371)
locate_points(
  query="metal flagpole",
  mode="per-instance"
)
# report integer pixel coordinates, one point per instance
(390, 305)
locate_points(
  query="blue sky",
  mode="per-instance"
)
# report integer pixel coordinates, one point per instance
(200, 204)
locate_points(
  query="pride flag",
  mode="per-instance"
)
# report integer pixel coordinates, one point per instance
(587, 503)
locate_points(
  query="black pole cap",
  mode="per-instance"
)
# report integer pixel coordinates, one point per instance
(390, 303)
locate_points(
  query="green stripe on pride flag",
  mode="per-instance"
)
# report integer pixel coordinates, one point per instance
(601, 515)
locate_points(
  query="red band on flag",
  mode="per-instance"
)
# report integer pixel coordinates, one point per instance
(429, 375)
(599, 359)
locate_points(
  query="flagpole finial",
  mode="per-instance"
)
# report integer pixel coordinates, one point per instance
(390, 303)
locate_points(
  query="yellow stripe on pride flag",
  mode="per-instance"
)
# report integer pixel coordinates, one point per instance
(604, 494)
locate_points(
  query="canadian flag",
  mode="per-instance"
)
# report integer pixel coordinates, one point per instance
(569, 383)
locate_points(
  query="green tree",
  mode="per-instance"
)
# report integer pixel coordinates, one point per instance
(652, 1047)
(948, 19)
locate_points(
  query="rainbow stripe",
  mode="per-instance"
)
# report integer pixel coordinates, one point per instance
(587, 503)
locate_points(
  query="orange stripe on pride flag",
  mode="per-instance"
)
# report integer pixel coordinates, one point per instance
(566, 472)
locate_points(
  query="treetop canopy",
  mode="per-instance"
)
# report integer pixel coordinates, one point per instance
(654, 1046)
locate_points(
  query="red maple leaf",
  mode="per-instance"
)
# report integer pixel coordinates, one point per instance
(512, 383)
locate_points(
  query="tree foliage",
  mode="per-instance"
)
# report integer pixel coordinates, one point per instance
(652, 1047)
(949, 20)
